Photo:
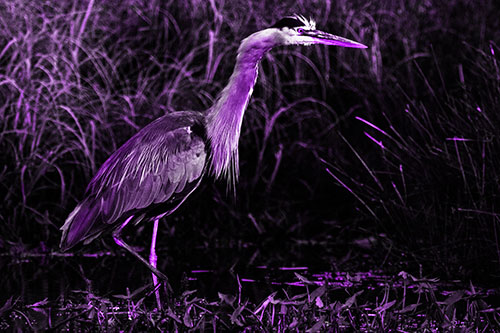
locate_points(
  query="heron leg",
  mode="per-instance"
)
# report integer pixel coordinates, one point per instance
(119, 241)
(153, 260)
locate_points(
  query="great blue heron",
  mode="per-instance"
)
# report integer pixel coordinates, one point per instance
(152, 173)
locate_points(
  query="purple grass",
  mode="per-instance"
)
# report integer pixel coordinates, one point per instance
(77, 79)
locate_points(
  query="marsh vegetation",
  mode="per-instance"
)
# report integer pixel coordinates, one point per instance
(376, 171)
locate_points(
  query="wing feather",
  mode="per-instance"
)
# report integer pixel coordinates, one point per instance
(182, 178)
(168, 190)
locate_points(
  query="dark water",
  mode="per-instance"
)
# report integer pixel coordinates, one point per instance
(35, 277)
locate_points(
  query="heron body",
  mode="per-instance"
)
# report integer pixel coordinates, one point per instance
(150, 175)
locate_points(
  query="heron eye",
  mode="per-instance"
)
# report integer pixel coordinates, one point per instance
(300, 31)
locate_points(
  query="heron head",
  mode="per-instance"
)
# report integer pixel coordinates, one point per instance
(291, 30)
(297, 30)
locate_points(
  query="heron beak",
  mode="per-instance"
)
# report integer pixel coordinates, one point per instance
(321, 37)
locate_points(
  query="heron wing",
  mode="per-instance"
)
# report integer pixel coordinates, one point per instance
(149, 168)
(152, 167)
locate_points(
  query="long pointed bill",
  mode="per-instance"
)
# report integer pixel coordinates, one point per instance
(325, 38)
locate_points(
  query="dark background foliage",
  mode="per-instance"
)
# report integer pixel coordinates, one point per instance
(398, 141)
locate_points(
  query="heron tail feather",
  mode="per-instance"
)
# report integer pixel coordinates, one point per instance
(79, 223)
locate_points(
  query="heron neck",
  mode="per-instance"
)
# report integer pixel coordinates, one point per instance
(225, 117)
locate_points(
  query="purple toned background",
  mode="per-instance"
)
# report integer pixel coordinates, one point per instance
(397, 144)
